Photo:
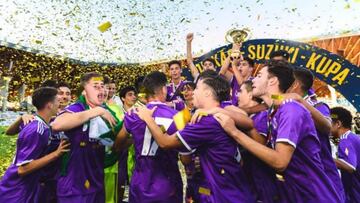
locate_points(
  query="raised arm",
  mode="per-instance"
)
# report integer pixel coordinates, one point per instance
(225, 66)
(189, 58)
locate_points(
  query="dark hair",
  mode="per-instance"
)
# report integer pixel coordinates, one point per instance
(284, 73)
(42, 96)
(206, 74)
(219, 86)
(49, 83)
(153, 82)
(190, 84)
(282, 53)
(62, 84)
(248, 85)
(343, 115)
(174, 62)
(138, 82)
(250, 61)
(87, 77)
(305, 77)
(125, 90)
(106, 80)
(210, 60)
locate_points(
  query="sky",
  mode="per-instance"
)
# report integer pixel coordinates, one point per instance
(149, 31)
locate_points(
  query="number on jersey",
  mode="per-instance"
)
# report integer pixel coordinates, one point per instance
(150, 146)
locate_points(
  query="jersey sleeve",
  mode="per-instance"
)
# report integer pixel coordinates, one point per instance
(195, 135)
(260, 124)
(347, 154)
(31, 144)
(290, 122)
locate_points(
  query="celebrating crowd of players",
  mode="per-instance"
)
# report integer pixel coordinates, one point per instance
(250, 139)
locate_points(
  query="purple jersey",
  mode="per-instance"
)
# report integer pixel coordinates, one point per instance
(349, 153)
(156, 177)
(174, 91)
(31, 145)
(235, 87)
(84, 176)
(261, 177)
(326, 157)
(219, 160)
(304, 179)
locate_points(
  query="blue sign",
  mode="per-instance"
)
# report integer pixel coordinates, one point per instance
(328, 67)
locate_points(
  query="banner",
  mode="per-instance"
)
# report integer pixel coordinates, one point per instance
(328, 67)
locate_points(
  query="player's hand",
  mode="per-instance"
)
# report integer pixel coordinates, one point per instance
(226, 123)
(145, 113)
(189, 37)
(63, 147)
(109, 117)
(27, 118)
(199, 113)
(236, 46)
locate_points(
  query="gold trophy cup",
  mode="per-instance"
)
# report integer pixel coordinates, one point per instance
(237, 36)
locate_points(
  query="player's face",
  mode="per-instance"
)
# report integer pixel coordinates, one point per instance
(208, 65)
(175, 71)
(106, 91)
(260, 82)
(245, 69)
(188, 92)
(54, 105)
(95, 92)
(201, 94)
(64, 95)
(244, 97)
(130, 98)
(335, 125)
(112, 90)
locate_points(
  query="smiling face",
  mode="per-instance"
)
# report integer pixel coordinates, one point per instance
(129, 99)
(64, 95)
(112, 90)
(260, 82)
(188, 92)
(94, 92)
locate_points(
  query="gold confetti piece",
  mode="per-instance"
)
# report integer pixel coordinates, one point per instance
(222, 172)
(204, 191)
(347, 151)
(277, 97)
(87, 184)
(82, 144)
(280, 177)
(334, 116)
(38, 41)
(77, 27)
(104, 26)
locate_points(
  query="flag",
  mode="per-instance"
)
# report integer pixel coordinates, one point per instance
(182, 118)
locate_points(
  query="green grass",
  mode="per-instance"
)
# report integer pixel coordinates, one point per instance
(7, 150)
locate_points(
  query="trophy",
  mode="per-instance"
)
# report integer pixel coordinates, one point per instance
(237, 36)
